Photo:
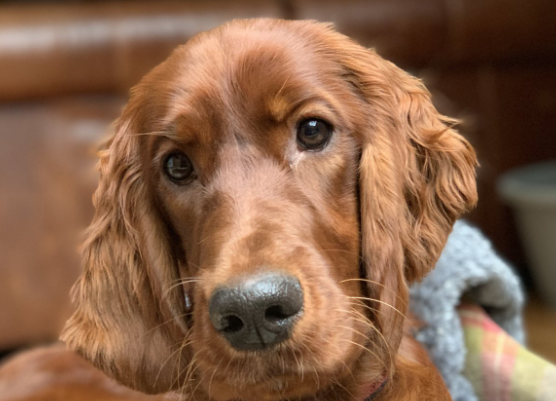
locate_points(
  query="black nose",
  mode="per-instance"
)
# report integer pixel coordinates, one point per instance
(257, 313)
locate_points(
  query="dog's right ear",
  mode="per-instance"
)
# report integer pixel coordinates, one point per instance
(128, 306)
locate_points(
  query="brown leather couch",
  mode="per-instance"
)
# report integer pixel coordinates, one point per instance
(65, 70)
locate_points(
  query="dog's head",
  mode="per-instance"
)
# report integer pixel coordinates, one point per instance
(272, 189)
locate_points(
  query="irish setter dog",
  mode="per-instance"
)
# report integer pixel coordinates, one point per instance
(271, 191)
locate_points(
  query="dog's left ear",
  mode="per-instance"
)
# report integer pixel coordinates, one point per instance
(417, 172)
(439, 176)
(416, 177)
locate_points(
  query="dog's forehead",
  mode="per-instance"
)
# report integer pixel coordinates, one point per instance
(248, 54)
(242, 78)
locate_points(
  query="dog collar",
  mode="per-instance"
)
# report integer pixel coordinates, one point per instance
(375, 388)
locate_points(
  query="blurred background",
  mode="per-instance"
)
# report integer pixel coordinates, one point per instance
(66, 67)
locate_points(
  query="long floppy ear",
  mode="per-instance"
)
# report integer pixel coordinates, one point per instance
(417, 176)
(417, 172)
(127, 310)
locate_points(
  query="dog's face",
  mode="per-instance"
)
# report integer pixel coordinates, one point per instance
(265, 211)
(270, 192)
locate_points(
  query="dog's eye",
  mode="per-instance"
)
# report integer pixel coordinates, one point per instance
(313, 134)
(178, 167)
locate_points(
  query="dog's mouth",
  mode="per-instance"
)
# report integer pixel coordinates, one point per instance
(283, 372)
(319, 352)
(283, 387)
(309, 352)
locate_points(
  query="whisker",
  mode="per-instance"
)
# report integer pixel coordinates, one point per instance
(181, 279)
(355, 331)
(336, 382)
(185, 343)
(365, 322)
(181, 282)
(364, 305)
(390, 356)
(376, 283)
(317, 377)
(212, 377)
(380, 302)
(343, 362)
(165, 322)
(190, 371)
(368, 350)
(180, 348)
(298, 363)
(180, 370)
(385, 344)
(363, 319)
(194, 392)
(228, 365)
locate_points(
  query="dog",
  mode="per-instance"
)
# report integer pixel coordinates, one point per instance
(271, 191)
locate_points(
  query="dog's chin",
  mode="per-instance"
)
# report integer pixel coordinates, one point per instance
(278, 388)
(259, 379)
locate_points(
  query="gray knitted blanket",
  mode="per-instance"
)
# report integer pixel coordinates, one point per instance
(468, 266)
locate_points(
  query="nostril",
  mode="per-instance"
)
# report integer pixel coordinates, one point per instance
(276, 314)
(232, 324)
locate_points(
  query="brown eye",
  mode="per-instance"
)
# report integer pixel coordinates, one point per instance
(314, 134)
(178, 168)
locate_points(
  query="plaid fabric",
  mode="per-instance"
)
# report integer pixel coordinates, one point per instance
(498, 367)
